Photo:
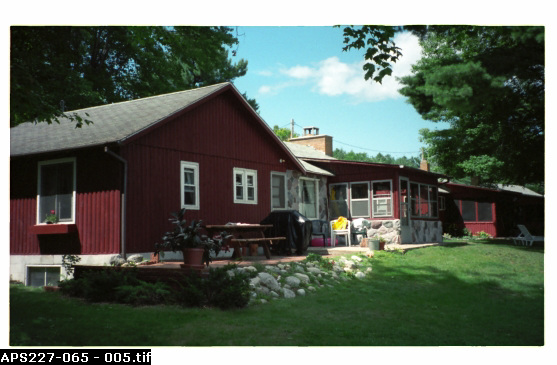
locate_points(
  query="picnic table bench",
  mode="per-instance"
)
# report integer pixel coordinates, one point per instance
(239, 230)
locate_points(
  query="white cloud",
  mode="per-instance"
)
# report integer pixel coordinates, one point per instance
(333, 77)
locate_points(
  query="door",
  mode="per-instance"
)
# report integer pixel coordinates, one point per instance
(405, 221)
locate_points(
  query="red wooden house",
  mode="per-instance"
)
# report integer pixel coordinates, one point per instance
(495, 211)
(396, 202)
(113, 183)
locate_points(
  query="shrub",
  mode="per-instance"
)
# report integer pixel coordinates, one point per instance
(99, 286)
(225, 291)
(143, 293)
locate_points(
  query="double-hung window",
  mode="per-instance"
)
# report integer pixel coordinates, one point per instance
(245, 186)
(359, 199)
(189, 183)
(56, 190)
(278, 190)
(382, 198)
(309, 206)
(338, 200)
(473, 211)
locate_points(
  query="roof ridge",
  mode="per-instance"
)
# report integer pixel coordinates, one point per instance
(222, 84)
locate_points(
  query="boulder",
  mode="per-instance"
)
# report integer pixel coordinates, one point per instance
(302, 277)
(293, 281)
(314, 270)
(269, 281)
(360, 275)
(301, 292)
(288, 293)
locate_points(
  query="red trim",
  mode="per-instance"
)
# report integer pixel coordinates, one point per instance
(53, 228)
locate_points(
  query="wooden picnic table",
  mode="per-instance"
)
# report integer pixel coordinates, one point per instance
(239, 231)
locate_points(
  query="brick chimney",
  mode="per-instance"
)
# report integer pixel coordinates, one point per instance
(311, 137)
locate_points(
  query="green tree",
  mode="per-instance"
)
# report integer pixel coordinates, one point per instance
(284, 133)
(87, 66)
(487, 82)
(341, 154)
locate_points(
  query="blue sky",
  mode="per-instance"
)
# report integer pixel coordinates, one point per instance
(301, 73)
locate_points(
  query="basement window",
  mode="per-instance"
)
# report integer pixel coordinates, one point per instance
(43, 275)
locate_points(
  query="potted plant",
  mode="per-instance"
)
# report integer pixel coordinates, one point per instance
(195, 246)
(51, 217)
(373, 243)
(382, 242)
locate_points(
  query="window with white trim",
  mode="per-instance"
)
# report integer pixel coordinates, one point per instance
(56, 190)
(43, 275)
(245, 186)
(278, 190)
(338, 200)
(309, 206)
(424, 201)
(382, 198)
(359, 200)
(189, 185)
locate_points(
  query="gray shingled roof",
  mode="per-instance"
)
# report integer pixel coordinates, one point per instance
(111, 123)
(518, 189)
(302, 151)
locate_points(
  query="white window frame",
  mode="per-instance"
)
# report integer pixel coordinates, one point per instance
(195, 167)
(316, 181)
(359, 200)
(389, 198)
(40, 220)
(346, 199)
(285, 192)
(245, 173)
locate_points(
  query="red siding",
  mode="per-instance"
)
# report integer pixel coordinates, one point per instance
(219, 135)
(97, 207)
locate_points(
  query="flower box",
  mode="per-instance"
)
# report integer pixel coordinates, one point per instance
(53, 228)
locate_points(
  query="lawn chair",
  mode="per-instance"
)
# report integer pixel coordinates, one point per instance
(525, 238)
(320, 228)
(341, 227)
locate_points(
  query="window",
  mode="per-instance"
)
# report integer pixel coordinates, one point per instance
(308, 198)
(359, 199)
(423, 200)
(43, 275)
(189, 183)
(442, 203)
(278, 190)
(338, 200)
(473, 211)
(469, 210)
(485, 213)
(56, 190)
(245, 186)
(382, 198)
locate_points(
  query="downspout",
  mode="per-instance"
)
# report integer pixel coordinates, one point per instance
(123, 202)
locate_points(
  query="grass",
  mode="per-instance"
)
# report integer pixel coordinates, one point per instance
(462, 294)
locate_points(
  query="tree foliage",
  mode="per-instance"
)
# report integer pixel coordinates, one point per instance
(341, 154)
(283, 133)
(87, 66)
(487, 82)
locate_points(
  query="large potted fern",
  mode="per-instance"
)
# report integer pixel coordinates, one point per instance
(195, 246)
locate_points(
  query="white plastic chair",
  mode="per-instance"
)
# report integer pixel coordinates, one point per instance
(341, 232)
(525, 238)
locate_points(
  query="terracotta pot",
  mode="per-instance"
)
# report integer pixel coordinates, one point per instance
(381, 245)
(193, 258)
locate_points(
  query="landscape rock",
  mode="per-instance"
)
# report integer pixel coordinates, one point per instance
(288, 294)
(360, 275)
(314, 270)
(356, 258)
(293, 281)
(302, 277)
(250, 269)
(135, 258)
(301, 292)
(269, 281)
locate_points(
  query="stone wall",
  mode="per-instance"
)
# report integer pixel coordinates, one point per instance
(427, 231)
(293, 192)
(388, 229)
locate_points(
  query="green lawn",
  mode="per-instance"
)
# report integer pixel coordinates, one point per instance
(477, 294)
